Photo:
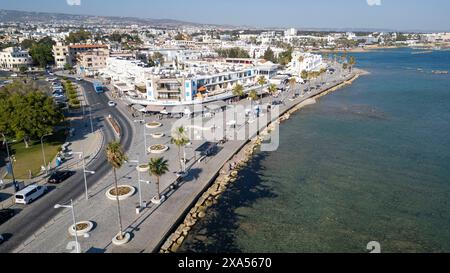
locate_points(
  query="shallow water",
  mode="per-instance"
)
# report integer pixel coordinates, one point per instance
(370, 162)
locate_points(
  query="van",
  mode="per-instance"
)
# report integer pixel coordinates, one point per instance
(29, 194)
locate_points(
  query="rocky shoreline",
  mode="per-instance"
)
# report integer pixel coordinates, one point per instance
(227, 177)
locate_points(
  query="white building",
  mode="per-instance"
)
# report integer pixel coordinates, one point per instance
(13, 58)
(305, 62)
(197, 82)
(290, 32)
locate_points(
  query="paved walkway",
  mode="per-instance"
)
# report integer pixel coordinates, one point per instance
(82, 140)
(154, 224)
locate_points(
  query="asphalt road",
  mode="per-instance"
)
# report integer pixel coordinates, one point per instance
(34, 216)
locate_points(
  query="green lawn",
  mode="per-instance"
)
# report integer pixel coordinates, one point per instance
(31, 158)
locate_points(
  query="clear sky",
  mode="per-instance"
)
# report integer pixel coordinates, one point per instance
(386, 14)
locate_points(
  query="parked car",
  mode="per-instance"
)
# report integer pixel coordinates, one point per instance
(60, 176)
(30, 194)
(2, 239)
(79, 79)
(5, 215)
(14, 75)
(111, 103)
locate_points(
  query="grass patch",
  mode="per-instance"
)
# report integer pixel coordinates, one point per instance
(31, 158)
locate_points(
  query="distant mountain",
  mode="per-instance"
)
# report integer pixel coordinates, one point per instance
(14, 16)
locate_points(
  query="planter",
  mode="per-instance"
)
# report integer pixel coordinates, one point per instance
(125, 240)
(83, 228)
(143, 168)
(158, 202)
(158, 149)
(158, 135)
(125, 192)
(153, 125)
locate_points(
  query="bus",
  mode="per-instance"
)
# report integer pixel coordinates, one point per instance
(98, 87)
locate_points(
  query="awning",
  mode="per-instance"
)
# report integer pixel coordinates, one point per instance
(214, 106)
(138, 107)
(155, 108)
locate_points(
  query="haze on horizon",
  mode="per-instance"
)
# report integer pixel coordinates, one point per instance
(406, 15)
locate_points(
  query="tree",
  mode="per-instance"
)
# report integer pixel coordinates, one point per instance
(272, 90)
(262, 81)
(41, 52)
(158, 58)
(234, 52)
(292, 83)
(78, 36)
(27, 115)
(352, 62)
(116, 158)
(238, 91)
(67, 66)
(269, 55)
(180, 139)
(304, 75)
(27, 44)
(158, 167)
(253, 96)
(23, 69)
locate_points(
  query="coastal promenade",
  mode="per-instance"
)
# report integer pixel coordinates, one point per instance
(153, 225)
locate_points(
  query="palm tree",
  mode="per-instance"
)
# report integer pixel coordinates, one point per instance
(253, 95)
(238, 90)
(272, 90)
(158, 167)
(262, 81)
(180, 139)
(352, 62)
(304, 75)
(292, 83)
(116, 157)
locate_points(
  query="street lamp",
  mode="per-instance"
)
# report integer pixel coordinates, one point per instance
(90, 117)
(71, 206)
(43, 152)
(139, 182)
(142, 121)
(81, 154)
(9, 157)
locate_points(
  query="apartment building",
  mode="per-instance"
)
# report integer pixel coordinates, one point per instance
(89, 63)
(302, 61)
(68, 54)
(13, 58)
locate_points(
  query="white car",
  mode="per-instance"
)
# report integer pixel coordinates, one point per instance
(30, 194)
(79, 79)
(14, 75)
(111, 103)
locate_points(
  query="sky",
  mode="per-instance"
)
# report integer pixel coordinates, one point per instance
(426, 15)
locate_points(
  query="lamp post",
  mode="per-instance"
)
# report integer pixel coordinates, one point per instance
(43, 152)
(9, 157)
(90, 117)
(142, 121)
(71, 206)
(139, 181)
(81, 154)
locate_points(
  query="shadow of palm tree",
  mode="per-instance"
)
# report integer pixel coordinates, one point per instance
(216, 233)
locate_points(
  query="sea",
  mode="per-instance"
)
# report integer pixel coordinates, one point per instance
(367, 163)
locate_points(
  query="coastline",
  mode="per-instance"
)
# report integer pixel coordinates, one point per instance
(225, 177)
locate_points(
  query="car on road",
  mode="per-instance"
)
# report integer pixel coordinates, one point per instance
(30, 194)
(5, 215)
(60, 176)
(111, 103)
(79, 79)
(14, 75)
(2, 239)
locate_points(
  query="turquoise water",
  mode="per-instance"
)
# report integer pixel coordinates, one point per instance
(370, 162)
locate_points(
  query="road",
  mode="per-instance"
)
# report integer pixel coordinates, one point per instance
(32, 217)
